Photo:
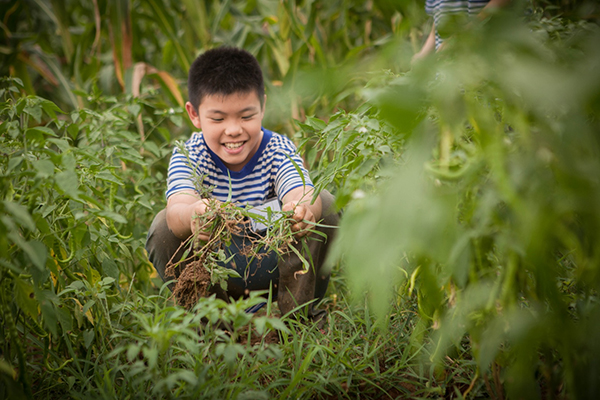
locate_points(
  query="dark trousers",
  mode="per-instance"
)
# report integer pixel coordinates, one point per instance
(259, 273)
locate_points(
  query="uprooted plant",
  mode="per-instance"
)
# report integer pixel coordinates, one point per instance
(203, 262)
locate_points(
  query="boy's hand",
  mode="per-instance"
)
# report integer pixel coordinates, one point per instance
(303, 217)
(182, 211)
(198, 209)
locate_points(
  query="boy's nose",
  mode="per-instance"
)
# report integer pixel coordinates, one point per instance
(234, 128)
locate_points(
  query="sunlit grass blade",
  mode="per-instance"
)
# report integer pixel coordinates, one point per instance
(120, 33)
(196, 13)
(163, 18)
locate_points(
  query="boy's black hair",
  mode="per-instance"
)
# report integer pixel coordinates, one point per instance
(224, 71)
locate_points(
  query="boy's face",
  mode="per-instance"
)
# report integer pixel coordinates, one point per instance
(231, 126)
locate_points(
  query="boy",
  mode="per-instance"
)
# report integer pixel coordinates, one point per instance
(235, 154)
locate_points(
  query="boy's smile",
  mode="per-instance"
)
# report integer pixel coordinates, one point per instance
(231, 125)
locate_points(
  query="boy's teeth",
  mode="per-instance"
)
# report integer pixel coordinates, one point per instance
(233, 145)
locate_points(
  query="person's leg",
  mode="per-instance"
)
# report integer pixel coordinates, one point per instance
(163, 246)
(296, 288)
(257, 272)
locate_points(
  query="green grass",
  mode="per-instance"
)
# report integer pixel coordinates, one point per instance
(160, 350)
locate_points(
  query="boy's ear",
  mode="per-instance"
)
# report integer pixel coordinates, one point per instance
(193, 114)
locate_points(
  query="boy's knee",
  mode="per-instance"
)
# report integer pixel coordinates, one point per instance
(161, 244)
(330, 216)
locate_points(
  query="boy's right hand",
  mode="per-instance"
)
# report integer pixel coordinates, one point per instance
(302, 219)
(199, 208)
(182, 211)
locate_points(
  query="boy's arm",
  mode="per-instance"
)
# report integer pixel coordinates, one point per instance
(299, 200)
(181, 208)
(428, 46)
(491, 6)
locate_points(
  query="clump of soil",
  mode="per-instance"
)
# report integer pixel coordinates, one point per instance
(193, 283)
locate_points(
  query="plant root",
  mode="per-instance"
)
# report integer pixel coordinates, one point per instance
(192, 284)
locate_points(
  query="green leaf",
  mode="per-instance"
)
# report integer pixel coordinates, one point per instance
(88, 337)
(111, 215)
(45, 168)
(24, 295)
(230, 351)
(134, 109)
(35, 250)
(263, 323)
(73, 131)
(109, 176)
(88, 305)
(50, 108)
(40, 131)
(62, 144)
(110, 269)
(68, 184)
(13, 163)
(132, 352)
(34, 110)
(65, 319)
(151, 355)
(13, 129)
(316, 123)
(38, 254)
(69, 162)
(401, 104)
(45, 298)
(20, 214)
(107, 281)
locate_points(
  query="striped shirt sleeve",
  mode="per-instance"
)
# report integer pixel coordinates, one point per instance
(291, 172)
(181, 174)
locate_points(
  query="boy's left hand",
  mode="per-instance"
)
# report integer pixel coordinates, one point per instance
(303, 217)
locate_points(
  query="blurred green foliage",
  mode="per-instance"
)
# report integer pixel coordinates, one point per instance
(119, 44)
(492, 217)
(76, 194)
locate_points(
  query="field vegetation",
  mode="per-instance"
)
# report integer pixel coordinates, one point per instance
(467, 261)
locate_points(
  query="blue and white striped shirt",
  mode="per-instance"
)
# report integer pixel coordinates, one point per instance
(439, 9)
(269, 172)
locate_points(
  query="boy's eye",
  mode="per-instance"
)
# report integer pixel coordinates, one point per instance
(217, 119)
(247, 117)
